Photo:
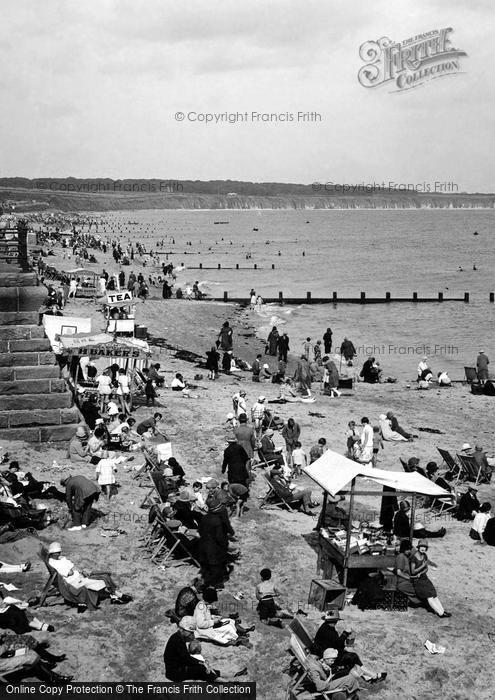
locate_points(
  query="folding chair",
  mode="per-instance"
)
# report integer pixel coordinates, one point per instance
(263, 461)
(168, 544)
(151, 464)
(454, 468)
(473, 471)
(405, 465)
(277, 496)
(301, 655)
(301, 633)
(471, 374)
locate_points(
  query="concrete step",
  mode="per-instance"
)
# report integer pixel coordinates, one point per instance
(32, 386)
(18, 279)
(28, 402)
(54, 416)
(46, 433)
(21, 298)
(18, 318)
(10, 374)
(29, 345)
(22, 332)
(21, 359)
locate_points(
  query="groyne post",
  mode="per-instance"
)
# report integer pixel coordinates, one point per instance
(334, 296)
(308, 296)
(466, 297)
(492, 297)
(387, 296)
(281, 297)
(440, 296)
(225, 296)
(363, 297)
(415, 296)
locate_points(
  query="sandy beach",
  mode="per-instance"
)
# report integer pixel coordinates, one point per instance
(128, 642)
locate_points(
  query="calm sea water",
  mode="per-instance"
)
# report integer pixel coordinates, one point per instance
(374, 251)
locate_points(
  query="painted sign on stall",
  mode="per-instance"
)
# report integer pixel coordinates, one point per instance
(123, 297)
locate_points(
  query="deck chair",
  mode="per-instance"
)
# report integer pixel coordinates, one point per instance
(168, 543)
(150, 464)
(452, 465)
(263, 462)
(472, 470)
(301, 655)
(299, 631)
(471, 374)
(277, 496)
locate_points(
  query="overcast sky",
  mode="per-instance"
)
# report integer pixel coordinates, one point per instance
(91, 88)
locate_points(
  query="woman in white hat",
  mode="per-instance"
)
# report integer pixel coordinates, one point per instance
(86, 591)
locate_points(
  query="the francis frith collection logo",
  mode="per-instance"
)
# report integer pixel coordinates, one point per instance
(409, 63)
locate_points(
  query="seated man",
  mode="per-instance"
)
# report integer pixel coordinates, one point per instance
(87, 590)
(267, 448)
(180, 665)
(371, 371)
(483, 463)
(402, 527)
(469, 504)
(78, 451)
(290, 492)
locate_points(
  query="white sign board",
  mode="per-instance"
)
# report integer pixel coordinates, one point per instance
(123, 297)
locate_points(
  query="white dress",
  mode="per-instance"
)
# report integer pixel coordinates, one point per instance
(104, 385)
(388, 433)
(123, 388)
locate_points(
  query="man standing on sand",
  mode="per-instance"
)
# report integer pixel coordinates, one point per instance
(482, 363)
(80, 493)
(256, 368)
(348, 351)
(327, 341)
(283, 347)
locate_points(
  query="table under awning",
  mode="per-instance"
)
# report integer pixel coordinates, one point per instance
(333, 473)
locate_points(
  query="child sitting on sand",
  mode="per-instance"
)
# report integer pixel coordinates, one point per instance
(270, 613)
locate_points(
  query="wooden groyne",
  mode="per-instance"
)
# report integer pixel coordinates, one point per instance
(362, 299)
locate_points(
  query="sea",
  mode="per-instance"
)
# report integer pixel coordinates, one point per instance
(375, 251)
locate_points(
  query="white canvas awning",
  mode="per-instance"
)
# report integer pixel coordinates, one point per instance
(333, 472)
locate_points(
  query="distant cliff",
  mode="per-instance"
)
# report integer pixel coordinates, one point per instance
(108, 195)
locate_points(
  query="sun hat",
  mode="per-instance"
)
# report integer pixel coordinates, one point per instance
(330, 653)
(212, 484)
(266, 366)
(187, 623)
(54, 547)
(423, 543)
(261, 399)
(466, 446)
(269, 432)
(242, 392)
(80, 431)
(230, 416)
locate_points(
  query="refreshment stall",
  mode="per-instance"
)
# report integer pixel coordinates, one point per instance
(362, 544)
(119, 309)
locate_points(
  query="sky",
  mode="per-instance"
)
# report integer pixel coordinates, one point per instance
(93, 88)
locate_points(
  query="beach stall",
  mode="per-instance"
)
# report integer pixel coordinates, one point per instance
(119, 309)
(87, 285)
(362, 544)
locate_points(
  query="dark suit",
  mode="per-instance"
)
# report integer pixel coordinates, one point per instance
(80, 493)
(214, 545)
(180, 665)
(234, 461)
